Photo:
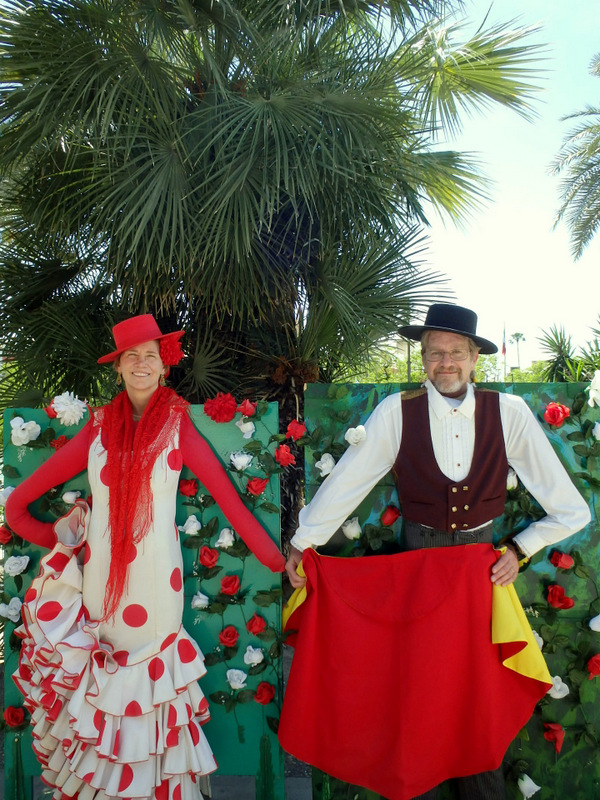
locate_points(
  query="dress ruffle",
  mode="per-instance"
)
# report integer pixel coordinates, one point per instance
(103, 729)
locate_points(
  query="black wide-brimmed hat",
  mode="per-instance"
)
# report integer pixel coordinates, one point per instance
(451, 319)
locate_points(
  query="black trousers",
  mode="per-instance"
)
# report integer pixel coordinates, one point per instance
(486, 785)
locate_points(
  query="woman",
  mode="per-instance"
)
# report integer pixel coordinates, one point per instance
(109, 674)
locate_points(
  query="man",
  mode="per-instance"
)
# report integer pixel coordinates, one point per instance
(450, 447)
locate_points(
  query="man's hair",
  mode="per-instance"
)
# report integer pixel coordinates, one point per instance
(473, 348)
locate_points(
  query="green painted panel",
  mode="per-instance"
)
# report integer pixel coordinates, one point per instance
(241, 730)
(569, 643)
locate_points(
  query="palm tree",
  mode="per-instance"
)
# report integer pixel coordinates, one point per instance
(579, 162)
(515, 339)
(256, 171)
(558, 345)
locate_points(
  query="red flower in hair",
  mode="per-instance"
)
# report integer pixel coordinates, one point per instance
(284, 456)
(247, 408)
(554, 732)
(221, 408)
(170, 351)
(265, 692)
(295, 430)
(59, 442)
(257, 486)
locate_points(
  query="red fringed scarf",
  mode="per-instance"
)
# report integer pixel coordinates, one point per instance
(131, 454)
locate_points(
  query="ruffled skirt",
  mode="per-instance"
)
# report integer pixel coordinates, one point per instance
(102, 729)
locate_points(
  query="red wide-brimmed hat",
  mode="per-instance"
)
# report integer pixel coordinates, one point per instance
(137, 330)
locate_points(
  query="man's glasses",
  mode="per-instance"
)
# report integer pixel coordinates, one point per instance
(438, 355)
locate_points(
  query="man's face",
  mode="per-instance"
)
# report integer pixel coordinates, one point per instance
(448, 375)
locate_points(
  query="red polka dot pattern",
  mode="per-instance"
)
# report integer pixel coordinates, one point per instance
(172, 717)
(133, 709)
(156, 669)
(87, 553)
(104, 475)
(121, 656)
(177, 792)
(49, 611)
(58, 561)
(162, 792)
(176, 580)
(135, 615)
(168, 641)
(195, 733)
(175, 460)
(132, 554)
(98, 719)
(186, 651)
(173, 738)
(126, 778)
(30, 594)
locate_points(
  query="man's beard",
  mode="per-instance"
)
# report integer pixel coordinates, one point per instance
(451, 383)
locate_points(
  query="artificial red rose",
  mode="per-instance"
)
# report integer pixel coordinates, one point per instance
(561, 560)
(557, 598)
(247, 408)
(295, 430)
(593, 666)
(230, 584)
(390, 515)
(208, 557)
(188, 487)
(50, 411)
(554, 732)
(170, 351)
(14, 716)
(555, 414)
(257, 486)
(265, 692)
(284, 456)
(256, 624)
(59, 442)
(5, 535)
(229, 636)
(221, 408)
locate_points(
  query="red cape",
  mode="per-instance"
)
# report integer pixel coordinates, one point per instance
(395, 684)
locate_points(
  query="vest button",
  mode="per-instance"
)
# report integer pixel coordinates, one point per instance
(465, 525)
(454, 508)
(466, 508)
(454, 489)
(453, 526)
(465, 488)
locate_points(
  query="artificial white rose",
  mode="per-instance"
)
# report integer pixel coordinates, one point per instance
(236, 678)
(559, 688)
(12, 610)
(356, 435)
(511, 479)
(247, 428)
(70, 497)
(351, 528)
(241, 460)
(527, 787)
(200, 601)
(226, 539)
(69, 408)
(191, 525)
(253, 656)
(5, 494)
(595, 623)
(15, 565)
(325, 464)
(594, 390)
(538, 639)
(23, 432)
(596, 431)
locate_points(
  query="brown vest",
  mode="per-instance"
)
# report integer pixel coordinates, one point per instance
(429, 497)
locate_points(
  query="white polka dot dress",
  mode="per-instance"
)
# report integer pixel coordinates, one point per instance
(116, 706)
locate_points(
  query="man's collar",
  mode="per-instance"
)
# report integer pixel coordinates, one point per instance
(441, 406)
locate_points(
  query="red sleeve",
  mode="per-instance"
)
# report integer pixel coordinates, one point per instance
(199, 457)
(67, 462)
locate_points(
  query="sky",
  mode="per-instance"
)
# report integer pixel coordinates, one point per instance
(507, 263)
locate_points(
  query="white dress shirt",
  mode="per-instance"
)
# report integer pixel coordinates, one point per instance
(452, 423)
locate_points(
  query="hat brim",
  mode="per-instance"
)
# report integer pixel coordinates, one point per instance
(416, 332)
(116, 353)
